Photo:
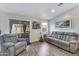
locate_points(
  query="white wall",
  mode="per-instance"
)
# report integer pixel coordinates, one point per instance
(72, 14)
(4, 24)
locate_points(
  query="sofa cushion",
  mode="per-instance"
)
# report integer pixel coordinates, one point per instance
(69, 38)
(19, 44)
(7, 39)
(1, 39)
(8, 44)
(64, 44)
(10, 38)
(13, 39)
(60, 33)
(60, 37)
(55, 41)
(70, 33)
(73, 38)
(49, 37)
(53, 35)
(64, 37)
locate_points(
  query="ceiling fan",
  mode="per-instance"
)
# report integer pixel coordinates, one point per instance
(60, 4)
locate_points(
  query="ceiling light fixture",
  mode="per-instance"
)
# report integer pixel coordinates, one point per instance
(53, 11)
(44, 23)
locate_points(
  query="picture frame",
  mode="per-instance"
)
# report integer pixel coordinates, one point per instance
(63, 24)
(35, 25)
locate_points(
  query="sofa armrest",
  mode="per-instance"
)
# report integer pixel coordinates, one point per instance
(73, 41)
(48, 35)
(8, 44)
(73, 46)
(10, 48)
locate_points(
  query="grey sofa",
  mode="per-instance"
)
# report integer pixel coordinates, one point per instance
(13, 44)
(65, 40)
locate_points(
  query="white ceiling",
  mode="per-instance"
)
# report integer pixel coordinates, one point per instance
(37, 10)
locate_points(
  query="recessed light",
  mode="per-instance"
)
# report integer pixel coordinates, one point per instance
(66, 16)
(53, 10)
(44, 23)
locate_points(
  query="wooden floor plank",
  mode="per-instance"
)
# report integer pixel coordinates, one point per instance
(45, 49)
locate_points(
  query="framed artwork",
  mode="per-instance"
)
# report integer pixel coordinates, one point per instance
(35, 25)
(63, 24)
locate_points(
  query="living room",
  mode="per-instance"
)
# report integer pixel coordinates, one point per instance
(36, 29)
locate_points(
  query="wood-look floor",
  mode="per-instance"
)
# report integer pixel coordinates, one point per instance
(45, 49)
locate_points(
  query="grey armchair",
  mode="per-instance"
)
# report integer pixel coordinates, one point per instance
(12, 44)
(19, 43)
(6, 49)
